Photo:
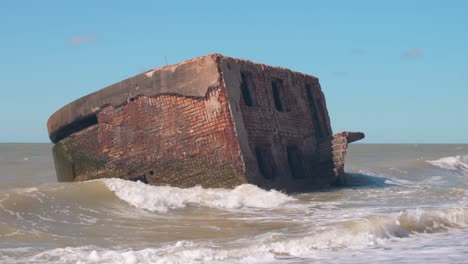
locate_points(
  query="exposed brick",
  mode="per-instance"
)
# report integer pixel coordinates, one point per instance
(203, 134)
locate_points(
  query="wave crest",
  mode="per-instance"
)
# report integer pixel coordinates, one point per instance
(351, 234)
(456, 163)
(164, 198)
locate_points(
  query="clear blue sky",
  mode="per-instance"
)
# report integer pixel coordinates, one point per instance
(397, 70)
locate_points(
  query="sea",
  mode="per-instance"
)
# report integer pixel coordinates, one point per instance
(400, 204)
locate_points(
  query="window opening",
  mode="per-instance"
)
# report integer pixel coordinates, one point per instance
(248, 90)
(278, 95)
(295, 162)
(314, 112)
(265, 161)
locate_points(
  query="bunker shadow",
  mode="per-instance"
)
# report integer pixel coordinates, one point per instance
(364, 181)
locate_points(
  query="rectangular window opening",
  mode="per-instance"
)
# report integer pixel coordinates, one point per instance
(278, 95)
(314, 112)
(265, 161)
(248, 89)
(295, 162)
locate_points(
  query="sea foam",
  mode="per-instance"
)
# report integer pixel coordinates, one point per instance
(165, 198)
(347, 235)
(456, 163)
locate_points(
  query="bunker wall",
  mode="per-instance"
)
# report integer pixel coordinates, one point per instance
(280, 117)
(164, 139)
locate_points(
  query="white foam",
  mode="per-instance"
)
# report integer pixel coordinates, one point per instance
(149, 255)
(165, 198)
(457, 163)
(354, 234)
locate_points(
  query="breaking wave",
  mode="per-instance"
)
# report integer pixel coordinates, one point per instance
(164, 198)
(456, 163)
(273, 247)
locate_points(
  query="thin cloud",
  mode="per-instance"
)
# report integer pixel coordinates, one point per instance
(412, 54)
(80, 40)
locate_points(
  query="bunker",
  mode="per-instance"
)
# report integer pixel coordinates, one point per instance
(213, 121)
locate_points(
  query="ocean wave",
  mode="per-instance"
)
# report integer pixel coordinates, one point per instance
(351, 234)
(373, 178)
(164, 198)
(91, 254)
(456, 163)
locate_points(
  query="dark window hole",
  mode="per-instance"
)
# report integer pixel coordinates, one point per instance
(248, 89)
(295, 162)
(265, 161)
(314, 112)
(278, 95)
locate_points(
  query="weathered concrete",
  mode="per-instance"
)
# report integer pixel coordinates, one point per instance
(191, 78)
(213, 121)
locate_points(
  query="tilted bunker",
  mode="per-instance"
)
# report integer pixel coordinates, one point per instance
(212, 121)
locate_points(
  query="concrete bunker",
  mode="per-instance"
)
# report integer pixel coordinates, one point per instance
(212, 121)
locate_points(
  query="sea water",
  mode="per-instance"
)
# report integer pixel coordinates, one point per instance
(400, 204)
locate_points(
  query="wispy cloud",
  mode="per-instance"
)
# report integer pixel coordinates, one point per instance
(80, 40)
(412, 54)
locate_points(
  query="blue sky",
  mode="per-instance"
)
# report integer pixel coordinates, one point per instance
(396, 70)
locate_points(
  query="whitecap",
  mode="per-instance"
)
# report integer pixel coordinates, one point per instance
(457, 163)
(360, 233)
(165, 198)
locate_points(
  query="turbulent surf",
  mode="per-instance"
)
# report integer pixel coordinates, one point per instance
(400, 204)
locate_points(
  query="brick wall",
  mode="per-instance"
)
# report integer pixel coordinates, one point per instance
(185, 139)
(170, 139)
(266, 126)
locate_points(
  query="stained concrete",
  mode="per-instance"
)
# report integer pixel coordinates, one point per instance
(189, 124)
